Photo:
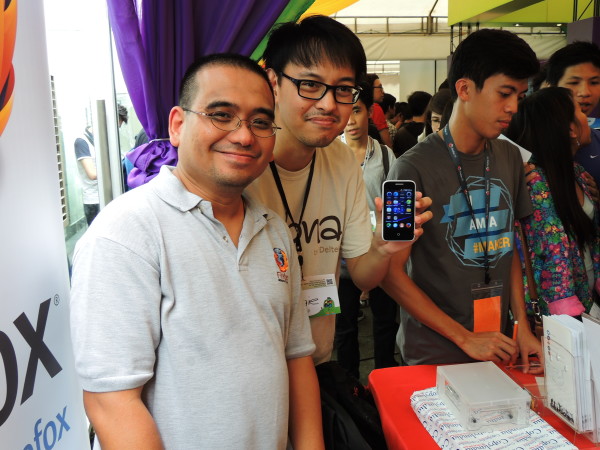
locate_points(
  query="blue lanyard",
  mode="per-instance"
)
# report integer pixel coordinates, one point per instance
(465, 189)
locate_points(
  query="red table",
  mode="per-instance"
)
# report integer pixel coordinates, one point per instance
(392, 389)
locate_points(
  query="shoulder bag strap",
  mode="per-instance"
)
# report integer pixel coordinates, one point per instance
(386, 159)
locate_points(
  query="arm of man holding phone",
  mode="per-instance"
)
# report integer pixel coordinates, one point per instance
(369, 269)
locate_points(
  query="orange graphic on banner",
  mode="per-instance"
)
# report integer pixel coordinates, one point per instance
(486, 314)
(8, 34)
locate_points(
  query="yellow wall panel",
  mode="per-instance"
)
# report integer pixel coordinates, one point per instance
(548, 11)
(484, 10)
(507, 13)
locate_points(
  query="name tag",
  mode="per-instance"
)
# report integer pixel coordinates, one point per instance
(487, 307)
(320, 295)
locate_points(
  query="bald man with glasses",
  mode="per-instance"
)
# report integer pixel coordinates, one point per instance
(188, 326)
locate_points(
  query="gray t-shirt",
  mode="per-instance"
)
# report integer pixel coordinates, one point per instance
(448, 258)
(84, 148)
(162, 298)
(374, 171)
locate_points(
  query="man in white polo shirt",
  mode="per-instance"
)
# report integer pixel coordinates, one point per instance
(187, 322)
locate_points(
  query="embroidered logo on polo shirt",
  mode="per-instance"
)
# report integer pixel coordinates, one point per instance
(282, 262)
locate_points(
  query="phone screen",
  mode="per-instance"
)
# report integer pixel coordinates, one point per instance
(398, 210)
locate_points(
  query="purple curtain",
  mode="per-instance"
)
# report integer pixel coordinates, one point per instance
(156, 40)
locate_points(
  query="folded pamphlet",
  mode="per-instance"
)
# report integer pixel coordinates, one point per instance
(447, 432)
(567, 371)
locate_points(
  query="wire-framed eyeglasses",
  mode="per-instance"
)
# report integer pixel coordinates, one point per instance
(227, 121)
(315, 90)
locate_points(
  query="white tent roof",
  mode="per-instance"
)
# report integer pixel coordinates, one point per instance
(387, 38)
(366, 8)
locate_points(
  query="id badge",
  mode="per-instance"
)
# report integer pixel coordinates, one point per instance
(487, 308)
(373, 221)
(320, 295)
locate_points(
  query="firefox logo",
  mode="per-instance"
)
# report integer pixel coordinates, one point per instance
(8, 32)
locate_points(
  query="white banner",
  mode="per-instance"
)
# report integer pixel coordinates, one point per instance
(40, 399)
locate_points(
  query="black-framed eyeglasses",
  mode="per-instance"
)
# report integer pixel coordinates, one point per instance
(315, 90)
(227, 121)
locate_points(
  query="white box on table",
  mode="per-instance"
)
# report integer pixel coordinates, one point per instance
(482, 396)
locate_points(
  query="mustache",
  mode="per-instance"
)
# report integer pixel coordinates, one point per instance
(237, 150)
(322, 115)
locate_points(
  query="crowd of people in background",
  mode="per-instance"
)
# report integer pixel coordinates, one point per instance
(190, 294)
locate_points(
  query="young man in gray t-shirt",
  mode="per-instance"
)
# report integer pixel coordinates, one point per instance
(464, 273)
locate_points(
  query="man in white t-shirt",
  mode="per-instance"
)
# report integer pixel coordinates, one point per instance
(315, 182)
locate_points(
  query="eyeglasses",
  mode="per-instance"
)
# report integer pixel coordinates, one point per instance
(226, 121)
(315, 90)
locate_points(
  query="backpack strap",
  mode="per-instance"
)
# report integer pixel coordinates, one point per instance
(386, 160)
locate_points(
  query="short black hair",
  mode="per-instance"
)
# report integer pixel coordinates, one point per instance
(366, 93)
(542, 125)
(122, 113)
(188, 87)
(578, 52)
(388, 102)
(489, 52)
(371, 77)
(418, 102)
(539, 78)
(443, 85)
(403, 109)
(311, 40)
(439, 101)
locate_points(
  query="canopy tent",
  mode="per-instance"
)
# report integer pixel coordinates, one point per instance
(414, 47)
(383, 8)
(408, 56)
(157, 39)
(387, 39)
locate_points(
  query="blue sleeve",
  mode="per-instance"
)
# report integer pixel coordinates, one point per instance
(82, 150)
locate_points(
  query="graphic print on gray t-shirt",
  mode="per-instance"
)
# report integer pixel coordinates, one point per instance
(467, 237)
(449, 257)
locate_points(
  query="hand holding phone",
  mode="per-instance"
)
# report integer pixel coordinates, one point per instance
(398, 212)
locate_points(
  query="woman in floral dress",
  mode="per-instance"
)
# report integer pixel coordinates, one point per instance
(562, 233)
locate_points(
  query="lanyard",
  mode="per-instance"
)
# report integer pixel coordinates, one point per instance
(463, 185)
(288, 213)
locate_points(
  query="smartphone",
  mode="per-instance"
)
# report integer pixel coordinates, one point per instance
(398, 210)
